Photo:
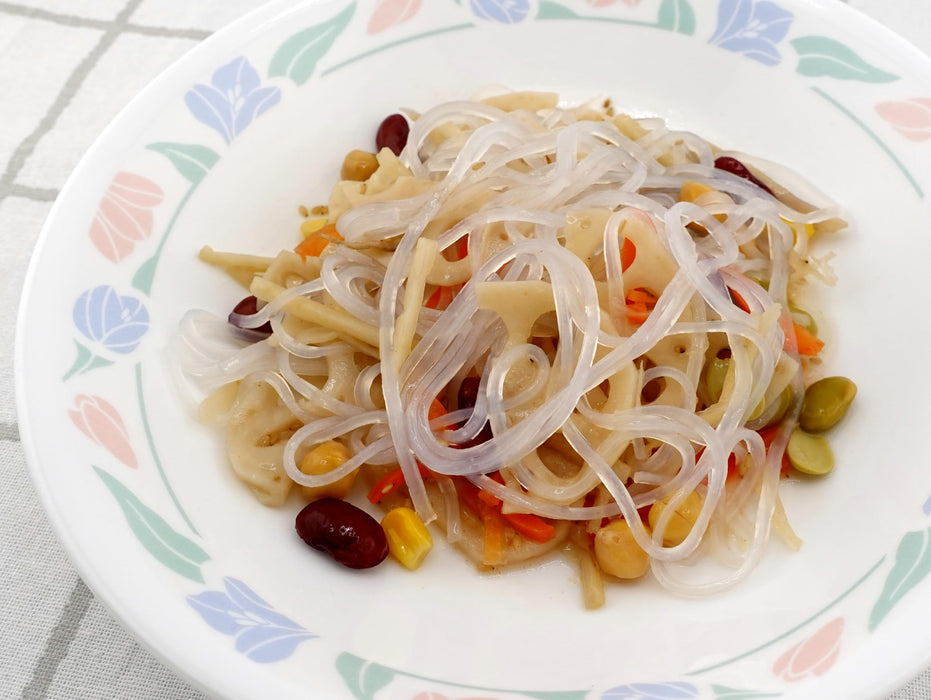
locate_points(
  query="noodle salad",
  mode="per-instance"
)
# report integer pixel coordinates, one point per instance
(541, 329)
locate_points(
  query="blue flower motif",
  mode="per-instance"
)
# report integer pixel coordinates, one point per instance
(261, 633)
(504, 11)
(752, 29)
(652, 691)
(234, 98)
(113, 321)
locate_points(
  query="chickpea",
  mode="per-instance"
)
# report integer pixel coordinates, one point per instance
(682, 520)
(358, 166)
(323, 459)
(618, 553)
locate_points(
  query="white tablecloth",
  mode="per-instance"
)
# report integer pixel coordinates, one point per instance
(66, 69)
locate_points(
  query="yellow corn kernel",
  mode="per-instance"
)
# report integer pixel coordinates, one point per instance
(312, 226)
(808, 229)
(618, 553)
(691, 190)
(701, 194)
(323, 459)
(682, 520)
(409, 540)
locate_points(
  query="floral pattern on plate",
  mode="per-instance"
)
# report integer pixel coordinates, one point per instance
(752, 28)
(125, 215)
(111, 321)
(261, 633)
(233, 100)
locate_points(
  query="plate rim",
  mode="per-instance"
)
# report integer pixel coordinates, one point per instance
(252, 24)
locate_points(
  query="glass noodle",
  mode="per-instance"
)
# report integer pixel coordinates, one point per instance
(592, 368)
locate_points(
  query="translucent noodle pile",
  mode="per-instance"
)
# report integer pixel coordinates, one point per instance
(557, 311)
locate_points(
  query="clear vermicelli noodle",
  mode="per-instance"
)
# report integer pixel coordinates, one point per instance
(542, 328)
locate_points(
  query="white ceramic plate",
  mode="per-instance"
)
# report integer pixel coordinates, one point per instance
(223, 147)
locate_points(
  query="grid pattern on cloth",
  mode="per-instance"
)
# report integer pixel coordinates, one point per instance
(57, 640)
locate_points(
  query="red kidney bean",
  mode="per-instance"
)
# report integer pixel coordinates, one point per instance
(347, 533)
(466, 398)
(392, 133)
(247, 307)
(735, 167)
(468, 392)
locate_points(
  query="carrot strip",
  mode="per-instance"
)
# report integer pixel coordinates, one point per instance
(798, 339)
(640, 302)
(391, 482)
(488, 506)
(769, 434)
(531, 526)
(436, 410)
(468, 493)
(628, 253)
(462, 248)
(441, 298)
(489, 499)
(493, 550)
(808, 343)
(739, 300)
(316, 242)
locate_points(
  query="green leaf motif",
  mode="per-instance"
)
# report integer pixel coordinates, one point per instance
(144, 276)
(363, 678)
(912, 564)
(191, 160)
(553, 10)
(676, 16)
(85, 362)
(297, 57)
(822, 56)
(172, 549)
(557, 694)
(722, 692)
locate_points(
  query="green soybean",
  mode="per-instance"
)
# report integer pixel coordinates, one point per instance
(825, 403)
(715, 374)
(810, 454)
(785, 400)
(804, 319)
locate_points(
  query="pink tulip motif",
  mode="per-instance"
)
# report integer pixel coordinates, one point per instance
(605, 3)
(124, 215)
(812, 656)
(101, 422)
(391, 12)
(911, 118)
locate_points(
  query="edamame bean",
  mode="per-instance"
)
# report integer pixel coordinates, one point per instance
(803, 318)
(715, 374)
(784, 401)
(825, 403)
(810, 454)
